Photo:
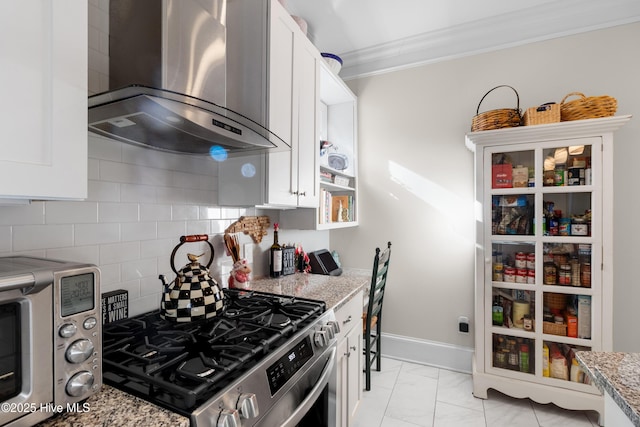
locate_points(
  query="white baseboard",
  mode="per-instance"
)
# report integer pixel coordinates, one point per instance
(441, 355)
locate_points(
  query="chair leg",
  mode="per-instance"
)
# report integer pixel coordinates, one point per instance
(367, 365)
(378, 342)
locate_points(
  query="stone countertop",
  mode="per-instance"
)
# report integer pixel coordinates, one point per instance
(112, 407)
(617, 374)
(335, 291)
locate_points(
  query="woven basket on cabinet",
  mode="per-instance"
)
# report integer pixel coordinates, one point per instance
(497, 119)
(591, 107)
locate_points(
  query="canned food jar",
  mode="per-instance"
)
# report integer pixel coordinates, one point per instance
(531, 261)
(509, 274)
(531, 276)
(521, 275)
(521, 260)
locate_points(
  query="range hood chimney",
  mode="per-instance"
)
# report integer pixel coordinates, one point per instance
(167, 72)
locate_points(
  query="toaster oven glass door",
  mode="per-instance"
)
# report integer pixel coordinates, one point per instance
(10, 358)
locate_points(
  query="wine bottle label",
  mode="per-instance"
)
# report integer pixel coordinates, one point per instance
(277, 261)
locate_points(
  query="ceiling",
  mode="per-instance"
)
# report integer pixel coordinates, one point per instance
(374, 36)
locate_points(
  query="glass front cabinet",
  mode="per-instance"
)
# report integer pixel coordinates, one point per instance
(544, 228)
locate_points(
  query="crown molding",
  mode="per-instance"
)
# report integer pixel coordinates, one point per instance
(560, 18)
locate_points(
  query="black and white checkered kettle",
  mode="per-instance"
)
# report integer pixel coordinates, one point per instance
(194, 294)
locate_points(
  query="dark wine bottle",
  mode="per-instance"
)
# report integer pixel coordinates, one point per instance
(275, 255)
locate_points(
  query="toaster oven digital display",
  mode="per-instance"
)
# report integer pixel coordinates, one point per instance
(77, 294)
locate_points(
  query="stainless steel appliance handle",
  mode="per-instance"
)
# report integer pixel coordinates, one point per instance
(29, 283)
(317, 389)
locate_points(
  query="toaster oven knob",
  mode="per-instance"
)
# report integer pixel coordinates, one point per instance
(67, 330)
(228, 418)
(248, 405)
(79, 351)
(80, 383)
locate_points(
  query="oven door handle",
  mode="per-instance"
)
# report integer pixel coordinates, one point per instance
(28, 283)
(310, 400)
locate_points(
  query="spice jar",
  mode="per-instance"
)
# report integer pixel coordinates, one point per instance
(585, 274)
(550, 273)
(564, 276)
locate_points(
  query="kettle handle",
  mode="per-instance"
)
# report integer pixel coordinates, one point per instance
(189, 239)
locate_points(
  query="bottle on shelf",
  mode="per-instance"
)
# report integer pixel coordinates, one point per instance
(497, 312)
(275, 255)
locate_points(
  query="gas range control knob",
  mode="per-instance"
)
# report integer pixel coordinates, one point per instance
(334, 325)
(228, 418)
(329, 330)
(79, 351)
(320, 338)
(248, 405)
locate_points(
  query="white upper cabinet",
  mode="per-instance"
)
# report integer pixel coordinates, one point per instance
(280, 64)
(43, 81)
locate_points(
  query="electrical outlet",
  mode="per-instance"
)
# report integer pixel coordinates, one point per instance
(463, 325)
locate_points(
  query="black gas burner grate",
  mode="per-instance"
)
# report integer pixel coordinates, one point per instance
(182, 365)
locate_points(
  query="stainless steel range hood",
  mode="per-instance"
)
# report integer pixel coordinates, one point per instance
(167, 63)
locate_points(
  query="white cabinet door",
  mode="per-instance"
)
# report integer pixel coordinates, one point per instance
(307, 68)
(294, 68)
(43, 81)
(354, 372)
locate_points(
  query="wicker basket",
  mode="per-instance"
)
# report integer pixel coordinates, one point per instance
(555, 301)
(545, 113)
(554, 328)
(497, 119)
(591, 107)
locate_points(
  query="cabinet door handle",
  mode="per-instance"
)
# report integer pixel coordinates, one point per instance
(353, 348)
(344, 322)
(304, 193)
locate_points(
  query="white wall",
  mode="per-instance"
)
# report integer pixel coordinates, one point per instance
(417, 176)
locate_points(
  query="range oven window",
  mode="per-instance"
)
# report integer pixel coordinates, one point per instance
(10, 367)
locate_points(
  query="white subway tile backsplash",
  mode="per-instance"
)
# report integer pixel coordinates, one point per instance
(170, 195)
(88, 254)
(119, 252)
(30, 237)
(130, 231)
(155, 212)
(5, 238)
(102, 148)
(109, 275)
(137, 193)
(93, 167)
(199, 227)
(137, 269)
(96, 234)
(71, 212)
(117, 212)
(173, 229)
(157, 248)
(151, 286)
(179, 212)
(209, 212)
(144, 304)
(32, 213)
(132, 286)
(101, 191)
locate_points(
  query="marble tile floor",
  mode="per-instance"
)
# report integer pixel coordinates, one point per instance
(406, 394)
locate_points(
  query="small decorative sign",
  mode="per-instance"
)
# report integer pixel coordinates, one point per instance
(288, 260)
(115, 306)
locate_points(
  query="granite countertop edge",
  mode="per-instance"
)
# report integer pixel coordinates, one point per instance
(617, 374)
(111, 406)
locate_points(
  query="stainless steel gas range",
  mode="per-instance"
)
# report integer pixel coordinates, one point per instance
(267, 361)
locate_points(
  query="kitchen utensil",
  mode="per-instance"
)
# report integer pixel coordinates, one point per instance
(194, 294)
